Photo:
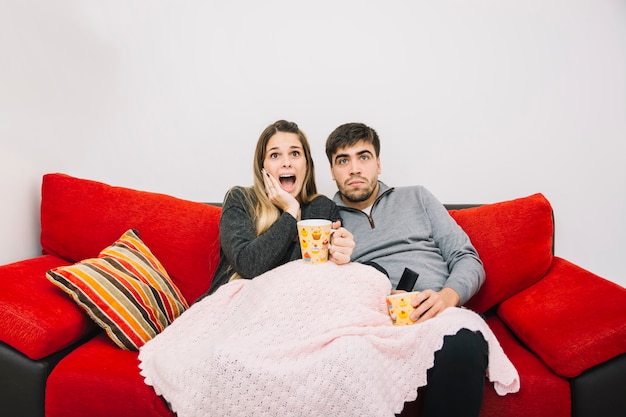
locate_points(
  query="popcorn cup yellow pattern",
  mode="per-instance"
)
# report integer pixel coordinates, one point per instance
(400, 307)
(314, 235)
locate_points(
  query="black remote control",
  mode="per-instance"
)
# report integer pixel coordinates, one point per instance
(408, 280)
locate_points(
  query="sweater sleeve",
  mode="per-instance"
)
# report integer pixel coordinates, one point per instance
(467, 273)
(321, 208)
(251, 255)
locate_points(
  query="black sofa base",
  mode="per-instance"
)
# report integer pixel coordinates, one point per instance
(601, 390)
(23, 381)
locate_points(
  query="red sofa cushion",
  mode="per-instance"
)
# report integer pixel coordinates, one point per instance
(98, 379)
(35, 317)
(514, 240)
(541, 394)
(81, 217)
(551, 317)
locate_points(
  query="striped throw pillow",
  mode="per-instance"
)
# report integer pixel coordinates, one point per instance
(125, 290)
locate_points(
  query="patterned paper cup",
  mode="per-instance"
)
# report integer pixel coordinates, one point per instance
(314, 235)
(400, 307)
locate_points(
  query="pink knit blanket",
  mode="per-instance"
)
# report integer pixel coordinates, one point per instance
(303, 340)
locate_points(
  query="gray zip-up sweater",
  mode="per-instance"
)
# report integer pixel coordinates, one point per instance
(409, 227)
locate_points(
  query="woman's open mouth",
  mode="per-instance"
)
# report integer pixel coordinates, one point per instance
(287, 182)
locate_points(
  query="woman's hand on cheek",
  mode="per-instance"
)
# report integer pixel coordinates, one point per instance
(279, 197)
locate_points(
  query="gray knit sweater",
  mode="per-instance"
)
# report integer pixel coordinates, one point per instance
(250, 255)
(409, 227)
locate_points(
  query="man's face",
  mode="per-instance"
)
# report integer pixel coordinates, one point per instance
(355, 170)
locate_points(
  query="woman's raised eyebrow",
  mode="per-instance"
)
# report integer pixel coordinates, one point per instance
(276, 148)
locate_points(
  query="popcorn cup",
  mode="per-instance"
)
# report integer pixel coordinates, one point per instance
(314, 236)
(400, 307)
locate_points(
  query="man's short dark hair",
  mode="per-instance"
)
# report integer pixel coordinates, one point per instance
(347, 135)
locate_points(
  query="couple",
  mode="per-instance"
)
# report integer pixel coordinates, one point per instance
(389, 229)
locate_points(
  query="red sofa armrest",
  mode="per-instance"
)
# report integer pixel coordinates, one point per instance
(572, 319)
(36, 318)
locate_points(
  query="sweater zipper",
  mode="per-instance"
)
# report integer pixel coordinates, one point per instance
(369, 216)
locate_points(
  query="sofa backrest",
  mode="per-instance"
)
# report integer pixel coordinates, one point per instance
(514, 240)
(80, 217)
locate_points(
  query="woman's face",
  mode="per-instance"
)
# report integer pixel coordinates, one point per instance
(285, 161)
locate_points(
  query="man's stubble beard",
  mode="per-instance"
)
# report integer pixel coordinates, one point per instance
(357, 196)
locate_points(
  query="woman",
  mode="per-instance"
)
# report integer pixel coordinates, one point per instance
(258, 229)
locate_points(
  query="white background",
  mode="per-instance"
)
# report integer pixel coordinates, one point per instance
(480, 101)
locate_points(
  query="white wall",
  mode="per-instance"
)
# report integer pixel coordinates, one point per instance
(480, 101)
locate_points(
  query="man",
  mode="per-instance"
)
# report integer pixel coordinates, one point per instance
(407, 229)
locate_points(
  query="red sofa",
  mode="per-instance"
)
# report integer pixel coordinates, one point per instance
(563, 327)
